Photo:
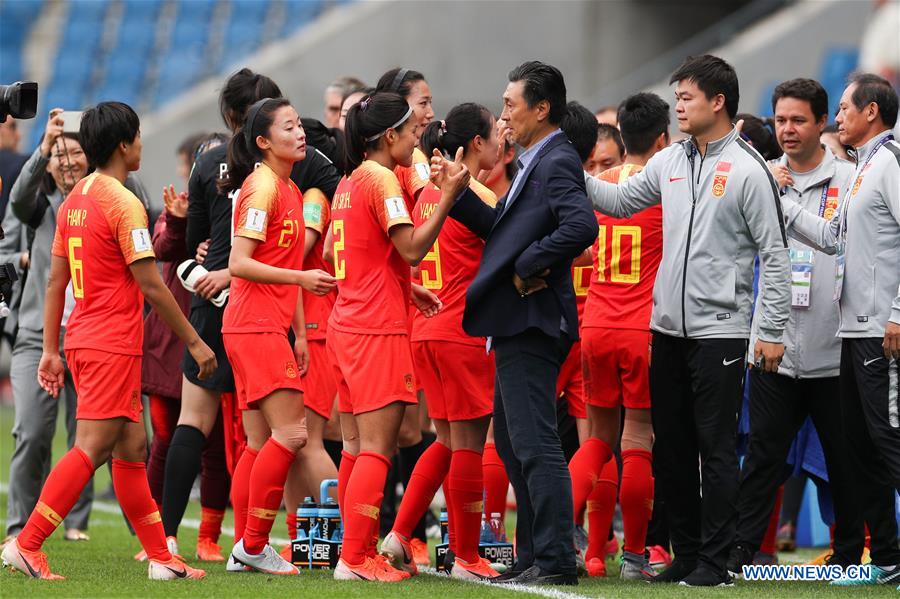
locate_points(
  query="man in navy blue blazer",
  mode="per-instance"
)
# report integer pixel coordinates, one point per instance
(523, 300)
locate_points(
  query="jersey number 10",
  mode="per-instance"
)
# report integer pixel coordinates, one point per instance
(632, 274)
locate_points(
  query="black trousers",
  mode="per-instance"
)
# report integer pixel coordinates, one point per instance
(527, 440)
(869, 396)
(696, 387)
(778, 407)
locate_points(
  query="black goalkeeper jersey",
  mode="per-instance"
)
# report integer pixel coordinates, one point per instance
(209, 211)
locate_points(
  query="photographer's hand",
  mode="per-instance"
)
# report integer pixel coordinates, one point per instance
(52, 132)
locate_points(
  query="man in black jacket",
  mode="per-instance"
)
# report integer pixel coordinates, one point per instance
(523, 300)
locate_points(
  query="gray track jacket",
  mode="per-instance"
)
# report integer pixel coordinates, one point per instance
(869, 222)
(811, 346)
(719, 211)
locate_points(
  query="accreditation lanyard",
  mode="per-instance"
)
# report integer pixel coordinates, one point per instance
(840, 258)
(802, 263)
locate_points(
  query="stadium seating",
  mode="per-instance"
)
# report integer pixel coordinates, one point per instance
(837, 65)
(158, 50)
(17, 18)
(244, 31)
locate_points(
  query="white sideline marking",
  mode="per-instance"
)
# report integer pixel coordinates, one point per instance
(549, 592)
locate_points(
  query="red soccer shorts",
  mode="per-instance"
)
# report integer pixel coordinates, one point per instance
(458, 379)
(262, 363)
(372, 371)
(319, 387)
(571, 382)
(616, 367)
(108, 385)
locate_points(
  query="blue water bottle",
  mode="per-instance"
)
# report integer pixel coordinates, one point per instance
(307, 513)
(487, 535)
(329, 520)
(442, 520)
(331, 527)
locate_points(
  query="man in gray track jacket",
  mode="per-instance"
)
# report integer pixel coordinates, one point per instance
(865, 236)
(720, 209)
(806, 383)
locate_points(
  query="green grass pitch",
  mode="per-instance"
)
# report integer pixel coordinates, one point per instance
(103, 567)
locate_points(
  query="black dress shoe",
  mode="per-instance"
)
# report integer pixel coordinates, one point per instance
(534, 575)
(675, 573)
(509, 574)
(449, 560)
(705, 576)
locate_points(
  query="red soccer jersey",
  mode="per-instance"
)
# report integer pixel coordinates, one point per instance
(101, 228)
(413, 178)
(581, 279)
(269, 210)
(448, 269)
(626, 256)
(317, 308)
(373, 279)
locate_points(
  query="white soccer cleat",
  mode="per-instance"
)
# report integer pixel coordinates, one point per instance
(233, 566)
(399, 553)
(173, 570)
(268, 561)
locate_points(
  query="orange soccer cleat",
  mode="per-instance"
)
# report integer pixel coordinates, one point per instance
(29, 563)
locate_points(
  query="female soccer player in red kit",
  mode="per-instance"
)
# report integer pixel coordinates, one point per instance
(460, 390)
(103, 245)
(374, 244)
(265, 262)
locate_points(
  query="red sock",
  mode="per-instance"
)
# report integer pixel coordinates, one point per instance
(290, 519)
(163, 419)
(636, 498)
(266, 490)
(133, 492)
(240, 490)
(210, 523)
(496, 482)
(424, 482)
(347, 462)
(466, 484)
(768, 541)
(585, 468)
(61, 491)
(365, 490)
(601, 505)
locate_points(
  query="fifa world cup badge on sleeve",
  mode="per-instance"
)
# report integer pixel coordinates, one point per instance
(720, 179)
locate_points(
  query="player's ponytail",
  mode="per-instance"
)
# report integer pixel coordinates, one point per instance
(462, 124)
(368, 120)
(243, 151)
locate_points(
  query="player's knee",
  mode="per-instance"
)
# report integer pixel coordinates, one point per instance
(292, 436)
(637, 433)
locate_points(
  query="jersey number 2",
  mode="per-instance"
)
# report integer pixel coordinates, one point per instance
(337, 235)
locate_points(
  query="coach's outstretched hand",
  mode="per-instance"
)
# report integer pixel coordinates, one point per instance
(204, 356)
(443, 170)
(51, 373)
(317, 281)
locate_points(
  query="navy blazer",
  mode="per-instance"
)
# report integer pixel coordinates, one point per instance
(550, 222)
